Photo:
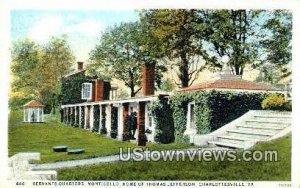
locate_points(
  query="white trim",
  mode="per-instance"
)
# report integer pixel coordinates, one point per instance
(189, 130)
(83, 95)
(133, 100)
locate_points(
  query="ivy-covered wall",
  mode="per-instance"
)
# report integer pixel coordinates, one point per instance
(103, 129)
(213, 109)
(96, 112)
(114, 122)
(82, 117)
(71, 88)
(162, 113)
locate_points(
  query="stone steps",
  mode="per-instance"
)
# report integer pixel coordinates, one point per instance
(226, 144)
(268, 127)
(260, 126)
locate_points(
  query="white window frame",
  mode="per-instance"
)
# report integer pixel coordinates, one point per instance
(83, 95)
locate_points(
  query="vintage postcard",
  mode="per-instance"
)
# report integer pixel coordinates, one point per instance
(195, 94)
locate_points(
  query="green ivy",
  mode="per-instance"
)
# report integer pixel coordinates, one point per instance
(96, 113)
(126, 130)
(162, 113)
(77, 116)
(82, 117)
(103, 129)
(71, 88)
(213, 109)
(114, 122)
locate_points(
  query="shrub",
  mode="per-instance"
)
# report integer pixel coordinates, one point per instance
(103, 129)
(275, 102)
(162, 113)
(114, 122)
(96, 115)
(126, 131)
(77, 117)
(82, 117)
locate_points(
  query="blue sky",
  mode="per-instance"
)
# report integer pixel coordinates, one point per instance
(82, 27)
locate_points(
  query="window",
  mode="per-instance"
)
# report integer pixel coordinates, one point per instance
(192, 114)
(86, 91)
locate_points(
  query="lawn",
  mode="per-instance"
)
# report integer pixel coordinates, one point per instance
(192, 170)
(25, 137)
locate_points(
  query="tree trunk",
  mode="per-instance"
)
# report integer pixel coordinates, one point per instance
(184, 71)
(132, 93)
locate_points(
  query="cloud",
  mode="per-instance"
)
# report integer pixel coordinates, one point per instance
(90, 28)
(45, 28)
(56, 25)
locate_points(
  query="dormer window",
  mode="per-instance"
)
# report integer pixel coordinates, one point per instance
(86, 92)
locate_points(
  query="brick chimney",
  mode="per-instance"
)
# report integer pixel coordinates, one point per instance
(79, 65)
(101, 90)
(148, 76)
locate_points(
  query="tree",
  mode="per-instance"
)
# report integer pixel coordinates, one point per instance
(26, 55)
(179, 35)
(37, 70)
(121, 52)
(277, 45)
(57, 60)
(248, 37)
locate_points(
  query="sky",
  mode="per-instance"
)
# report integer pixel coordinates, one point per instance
(83, 28)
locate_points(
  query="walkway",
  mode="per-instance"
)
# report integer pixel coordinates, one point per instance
(99, 160)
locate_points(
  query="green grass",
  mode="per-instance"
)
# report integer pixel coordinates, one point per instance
(192, 170)
(25, 137)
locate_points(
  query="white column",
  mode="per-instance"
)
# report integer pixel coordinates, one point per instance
(91, 117)
(79, 123)
(38, 115)
(85, 116)
(29, 115)
(24, 111)
(42, 115)
(108, 119)
(100, 118)
(120, 122)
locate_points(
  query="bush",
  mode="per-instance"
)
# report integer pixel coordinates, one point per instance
(164, 129)
(82, 117)
(114, 122)
(103, 129)
(126, 132)
(96, 114)
(276, 102)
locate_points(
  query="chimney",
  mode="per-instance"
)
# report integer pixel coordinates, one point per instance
(148, 76)
(101, 90)
(79, 65)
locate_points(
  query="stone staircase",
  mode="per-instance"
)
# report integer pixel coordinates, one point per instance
(253, 127)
